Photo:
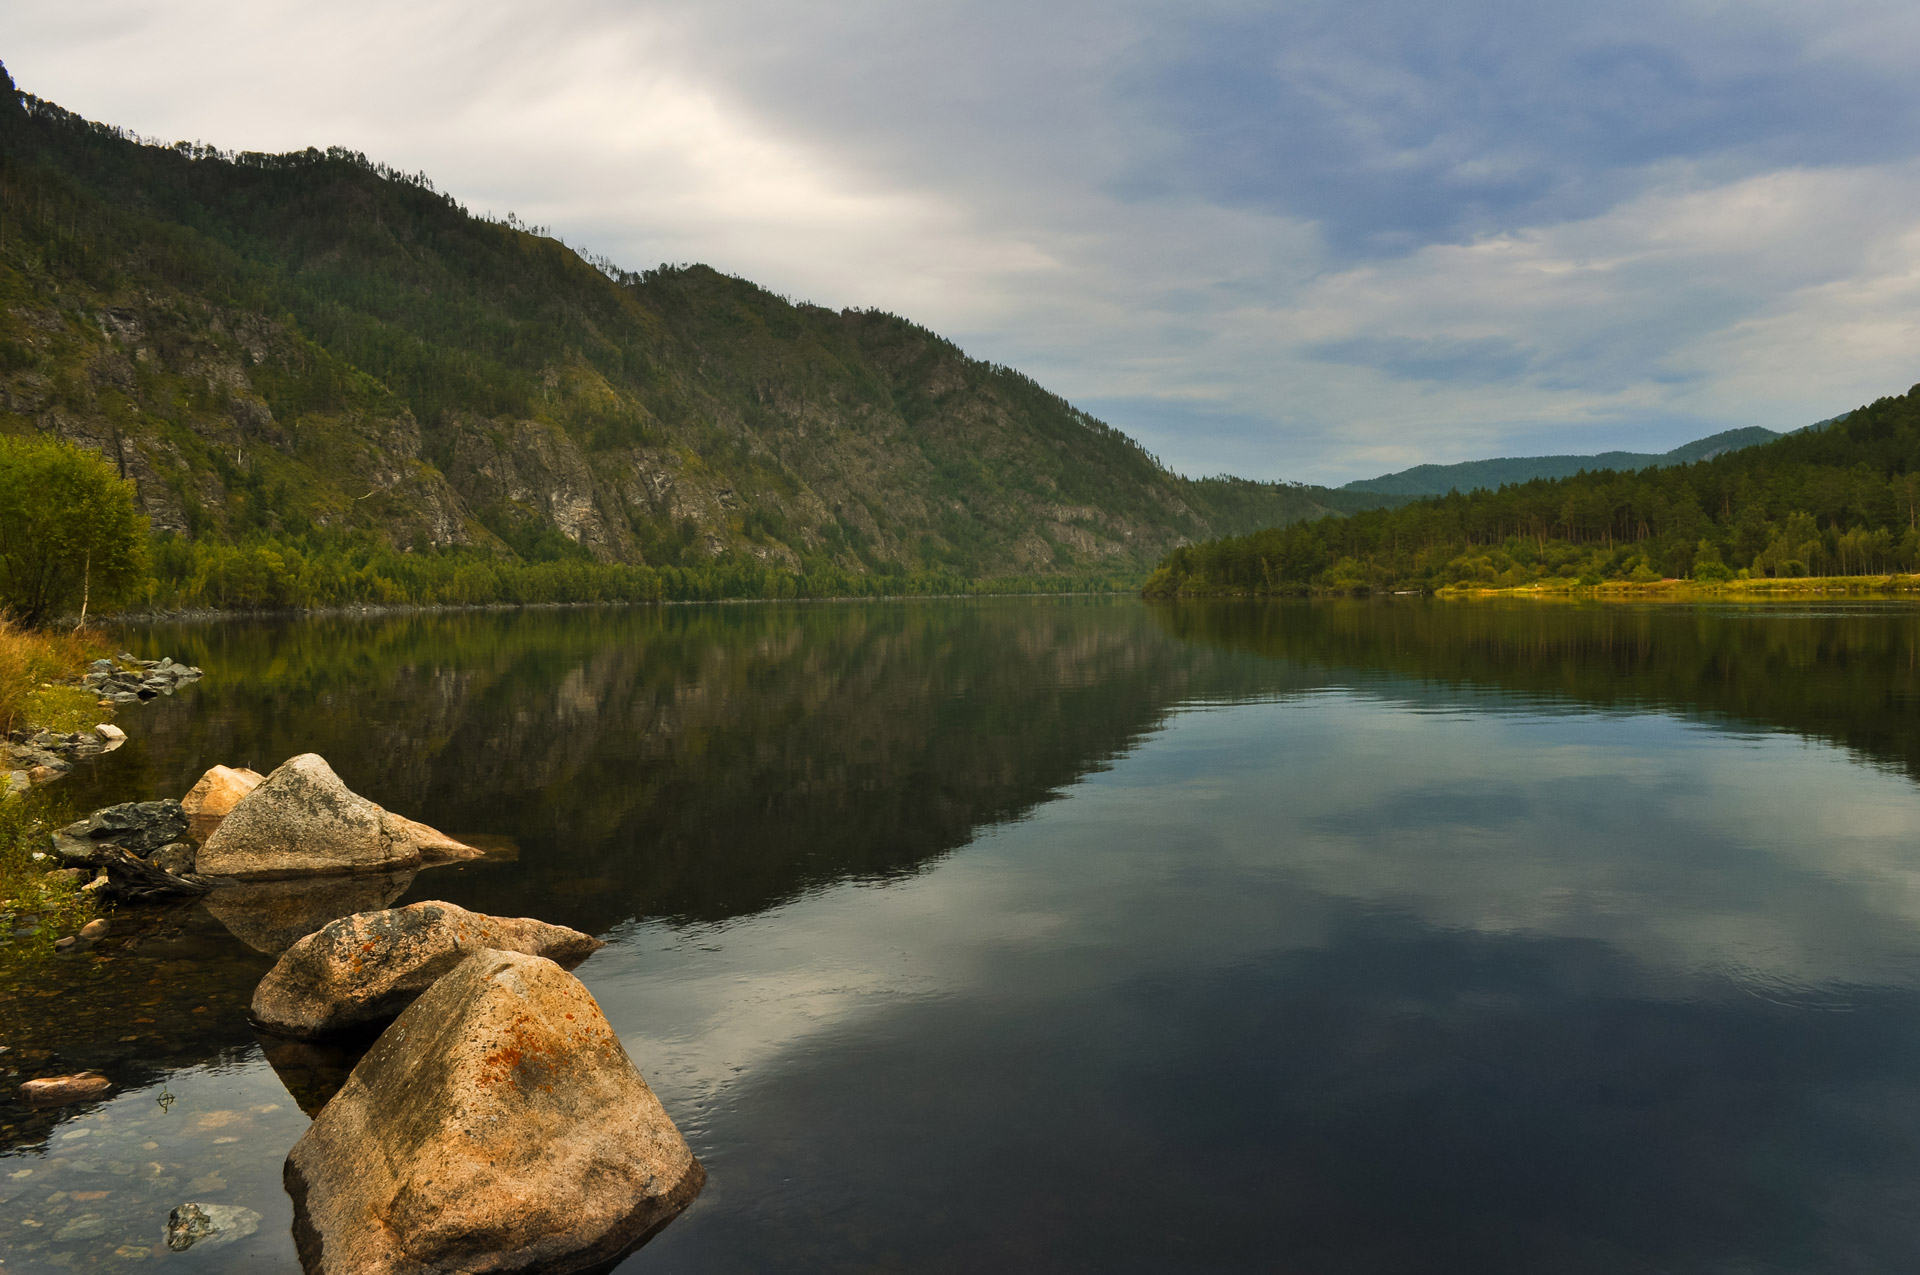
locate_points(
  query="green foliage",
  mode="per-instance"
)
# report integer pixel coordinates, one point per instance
(330, 572)
(1839, 501)
(69, 534)
(28, 899)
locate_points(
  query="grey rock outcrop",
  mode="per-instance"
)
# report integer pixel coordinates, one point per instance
(364, 968)
(301, 820)
(497, 1126)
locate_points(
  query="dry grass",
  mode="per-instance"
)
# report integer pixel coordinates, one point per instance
(32, 664)
(33, 668)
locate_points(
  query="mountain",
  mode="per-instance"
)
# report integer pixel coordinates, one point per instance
(1841, 498)
(309, 349)
(1470, 475)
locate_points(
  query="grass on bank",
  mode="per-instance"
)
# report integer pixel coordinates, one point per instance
(35, 669)
(29, 898)
(1756, 588)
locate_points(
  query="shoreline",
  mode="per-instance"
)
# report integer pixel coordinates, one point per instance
(197, 615)
(1898, 585)
(1765, 589)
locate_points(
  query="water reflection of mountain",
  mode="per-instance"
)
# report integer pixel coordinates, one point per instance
(686, 762)
(1844, 674)
(705, 763)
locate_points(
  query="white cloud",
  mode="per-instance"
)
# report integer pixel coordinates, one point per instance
(998, 174)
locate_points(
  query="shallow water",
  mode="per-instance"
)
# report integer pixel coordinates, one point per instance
(1069, 934)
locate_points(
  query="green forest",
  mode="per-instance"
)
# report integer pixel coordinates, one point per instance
(330, 383)
(1841, 500)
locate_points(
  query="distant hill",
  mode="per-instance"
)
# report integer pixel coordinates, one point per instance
(312, 349)
(1473, 475)
(1840, 498)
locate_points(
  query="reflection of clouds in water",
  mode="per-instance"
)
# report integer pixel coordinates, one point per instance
(219, 1137)
(1692, 850)
(1779, 866)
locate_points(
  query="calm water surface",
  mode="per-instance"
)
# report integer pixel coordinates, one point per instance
(1092, 935)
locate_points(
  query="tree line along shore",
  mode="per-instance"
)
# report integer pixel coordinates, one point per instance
(1841, 502)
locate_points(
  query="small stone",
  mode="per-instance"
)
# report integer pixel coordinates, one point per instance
(58, 1091)
(112, 734)
(94, 929)
(175, 857)
(61, 945)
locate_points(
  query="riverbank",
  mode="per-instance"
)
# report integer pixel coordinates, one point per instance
(1752, 590)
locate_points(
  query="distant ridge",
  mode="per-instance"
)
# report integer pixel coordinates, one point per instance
(1469, 475)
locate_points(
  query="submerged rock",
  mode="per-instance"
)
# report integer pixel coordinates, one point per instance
(361, 969)
(138, 827)
(497, 1125)
(209, 1225)
(301, 820)
(271, 916)
(58, 1091)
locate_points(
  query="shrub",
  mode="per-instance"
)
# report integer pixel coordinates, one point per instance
(70, 537)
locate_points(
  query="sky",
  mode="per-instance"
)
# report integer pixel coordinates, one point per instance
(1316, 241)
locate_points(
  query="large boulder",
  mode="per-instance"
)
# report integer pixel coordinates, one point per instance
(137, 827)
(361, 969)
(496, 1126)
(301, 820)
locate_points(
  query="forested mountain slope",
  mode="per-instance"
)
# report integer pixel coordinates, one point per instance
(308, 348)
(1471, 475)
(1841, 500)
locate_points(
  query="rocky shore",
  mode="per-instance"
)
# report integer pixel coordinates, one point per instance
(495, 1122)
(31, 757)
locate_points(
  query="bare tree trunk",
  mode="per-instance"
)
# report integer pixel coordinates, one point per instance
(86, 591)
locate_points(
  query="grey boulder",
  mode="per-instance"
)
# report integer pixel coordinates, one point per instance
(138, 827)
(301, 820)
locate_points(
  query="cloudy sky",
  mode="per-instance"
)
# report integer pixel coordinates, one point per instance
(1314, 240)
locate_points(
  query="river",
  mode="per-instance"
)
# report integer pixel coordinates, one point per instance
(1092, 934)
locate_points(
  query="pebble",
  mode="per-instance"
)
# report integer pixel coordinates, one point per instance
(94, 929)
